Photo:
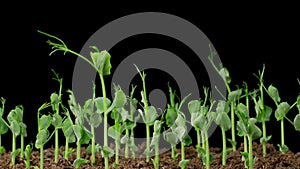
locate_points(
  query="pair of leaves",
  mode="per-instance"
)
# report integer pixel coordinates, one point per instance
(249, 128)
(101, 61)
(82, 134)
(149, 116)
(15, 118)
(222, 118)
(43, 133)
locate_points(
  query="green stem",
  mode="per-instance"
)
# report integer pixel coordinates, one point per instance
(42, 157)
(250, 153)
(117, 143)
(78, 150)
(105, 118)
(233, 126)
(132, 144)
(148, 142)
(198, 140)
(282, 133)
(56, 151)
(157, 154)
(66, 148)
(224, 147)
(22, 146)
(173, 152)
(264, 136)
(127, 144)
(245, 144)
(93, 159)
(207, 163)
(13, 158)
(182, 152)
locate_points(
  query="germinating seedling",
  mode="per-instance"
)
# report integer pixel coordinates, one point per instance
(280, 113)
(27, 153)
(224, 73)
(148, 114)
(3, 126)
(155, 141)
(101, 63)
(263, 112)
(201, 119)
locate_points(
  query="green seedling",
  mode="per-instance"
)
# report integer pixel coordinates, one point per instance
(3, 126)
(101, 63)
(280, 113)
(170, 117)
(224, 74)
(57, 120)
(201, 119)
(182, 134)
(155, 142)
(67, 128)
(297, 117)
(246, 127)
(27, 153)
(82, 134)
(43, 135)
(263, 112)
(149, 114)
(223, 120)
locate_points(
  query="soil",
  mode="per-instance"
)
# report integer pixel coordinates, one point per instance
(274, 159)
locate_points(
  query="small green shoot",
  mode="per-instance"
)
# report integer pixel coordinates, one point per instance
(27, 153)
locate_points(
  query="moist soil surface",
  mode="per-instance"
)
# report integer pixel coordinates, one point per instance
(273, 159)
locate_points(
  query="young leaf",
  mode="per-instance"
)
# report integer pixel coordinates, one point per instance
(56, 120)
(171, 116)
(3, 127)
(187, 140)
(151, 115)
(223, 121)
(120, 98)
(67, 128)
(79, 162)
(99, 104)
(198, 120)
(54, 98)
(274, 94)
(224, 73)
(222, 107)
(297, 122)
(183, 163)
(233, 95)
(170, 137)
(194, 106)
(101, 60)
(44, 122)
(282, 110)
(41, 138)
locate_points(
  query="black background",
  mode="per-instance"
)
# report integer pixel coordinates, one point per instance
(246, 36)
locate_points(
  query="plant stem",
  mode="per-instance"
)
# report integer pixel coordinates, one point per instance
(148, 142)
(105, 119)
(126, 144)
(66, 148)
(207, 155)
(117, 142)
(13, 158)
(233, 125)
(182, 152)
(282, 134)
(198, 140)
(93, 146)
(22, 146)
(42, 157)
(157, 154)
(224, 147)
(56, 151)
(132, 144)
(264, 136)
(250, 153)
(245, 144)
(78, 150)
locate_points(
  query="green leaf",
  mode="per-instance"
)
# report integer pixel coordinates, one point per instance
(198, 120)
(265, 140)
(28, 150)
(67, 128)
(183, 163)
(15, 128)
(56, 120)
(283, 148)
(151, 115)
(113, 131)
(120, 99)
(2, 150)
(44, 122)
(97, 148)
(54, 101)
(243, 109)
(125, 139)
(85, 136)
(298, 103)
(115, 114)
(170, 137)
(89, 107)
(99, 104)
(282, 110)
(68, 152)
(107, 152)
(79, 162)
(15, 153)
(253, 131)
(274, 94)
(194, 106)
(224, 73)
(3, 127)
(41, 138)
(157, 126)
(187, 140)
(171, 116)
(232, 142)
(95, 120)
(223, 121)
(101, 61)
(297, 122)
(180, 131)
(234, 95)
(222, 107)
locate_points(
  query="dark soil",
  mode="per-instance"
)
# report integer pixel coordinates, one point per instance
(274, 159)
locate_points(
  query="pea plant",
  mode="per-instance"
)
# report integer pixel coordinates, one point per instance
(155, 141)
(201, 119)
(3, 125)
(27, 153)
